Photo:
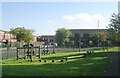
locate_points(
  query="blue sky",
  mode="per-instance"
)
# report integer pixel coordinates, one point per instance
(59, 0)
(47, 17)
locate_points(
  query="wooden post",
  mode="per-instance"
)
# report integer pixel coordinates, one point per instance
(39, 52)
(24, 52)
(8, 48)
(17, 54)
(30, 53)
(53, 46)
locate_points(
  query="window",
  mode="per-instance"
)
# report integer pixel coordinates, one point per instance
(81, 34)
(90, 34)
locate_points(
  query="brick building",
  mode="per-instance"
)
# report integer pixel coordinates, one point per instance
(5, 35)
(83, 36)
(46, 38)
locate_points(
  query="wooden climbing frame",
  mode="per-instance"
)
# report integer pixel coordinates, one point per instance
(29, 52)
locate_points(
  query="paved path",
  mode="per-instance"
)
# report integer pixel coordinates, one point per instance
(113, 69)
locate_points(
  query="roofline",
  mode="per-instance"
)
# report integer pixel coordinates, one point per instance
(88, 29)
(4, 31)
(72, 30)
(46, 35)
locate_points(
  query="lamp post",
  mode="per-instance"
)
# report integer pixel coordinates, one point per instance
(98, 33)
(108, 44)
(64, 45)
(80, 42)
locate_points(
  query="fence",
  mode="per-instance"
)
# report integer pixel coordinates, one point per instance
(19, 44)
(12, 51)
(8, 52)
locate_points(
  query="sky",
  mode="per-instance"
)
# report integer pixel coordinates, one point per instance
(59, 0)
(46, 17)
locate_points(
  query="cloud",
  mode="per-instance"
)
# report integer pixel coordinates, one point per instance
(82, 17)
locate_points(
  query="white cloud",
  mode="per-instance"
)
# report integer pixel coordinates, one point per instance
(82, 17)
(84, 21)
(98, 17)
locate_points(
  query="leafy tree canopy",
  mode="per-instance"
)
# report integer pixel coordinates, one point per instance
(102, 36)
(114, 26)
(22, 34)
(62, 35)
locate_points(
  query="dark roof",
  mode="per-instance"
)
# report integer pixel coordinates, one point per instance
(47, 35)
(85, 29)
(4, 31)
(1, 30)
(75, 30)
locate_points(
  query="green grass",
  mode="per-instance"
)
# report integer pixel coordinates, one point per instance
(115, 49)
(92, 65)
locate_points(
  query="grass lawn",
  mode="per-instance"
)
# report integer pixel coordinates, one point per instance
(92, 65)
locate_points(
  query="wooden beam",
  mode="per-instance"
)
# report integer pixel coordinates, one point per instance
(17, 54)
(39, 53)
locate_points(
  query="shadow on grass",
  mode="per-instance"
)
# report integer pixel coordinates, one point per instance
(61, 57)
(92, 65)
(95, 54)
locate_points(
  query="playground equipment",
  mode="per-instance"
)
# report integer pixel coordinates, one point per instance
(45, 51)
(48, 50)
(78, 56)
(30, 52)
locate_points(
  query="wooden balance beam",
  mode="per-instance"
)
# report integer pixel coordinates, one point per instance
(72, 57)
(80, 56)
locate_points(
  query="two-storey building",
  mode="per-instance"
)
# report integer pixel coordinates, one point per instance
(79, 36)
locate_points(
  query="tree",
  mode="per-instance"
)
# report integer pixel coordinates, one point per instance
(114, 27)
(22, 34)
(29, 36)
(62, 35)
(102, 38)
